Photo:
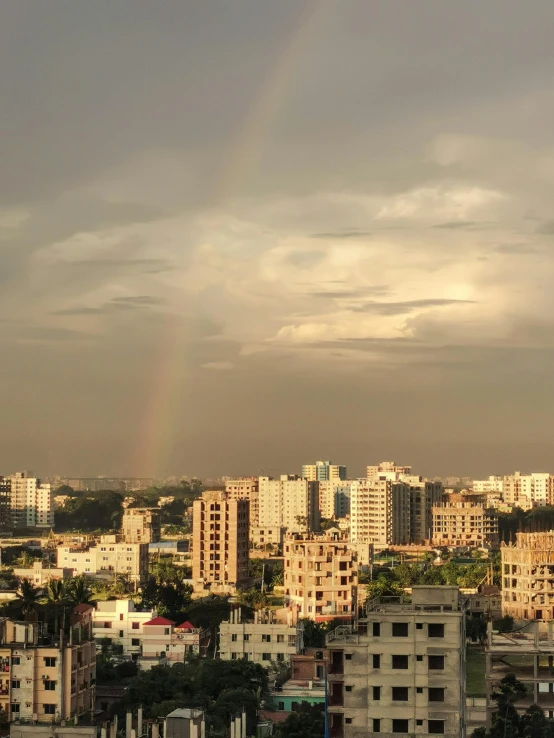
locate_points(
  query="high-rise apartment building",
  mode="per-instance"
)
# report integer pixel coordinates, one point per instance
(528, 490)
(31, 502)
(379, 512)
(424, 495)
(44, 678)
(320, 578)
(323, 471)
(245, 488)
(289, 502)
(263, 640)
(401, 670)
(141, 525)
(334, 499)
(220, 541)
(387, 470)
(463, 520)
(528, 577)
(493, 484)
(5, 516)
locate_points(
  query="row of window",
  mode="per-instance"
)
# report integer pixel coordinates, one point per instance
(265, 656)
(402, 630)
(435, 727)
(49, 684)
(48, 709)
(47, 660)
(402, 661)
(266, 638)
(402, 694)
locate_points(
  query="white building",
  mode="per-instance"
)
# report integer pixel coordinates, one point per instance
(263, 641)
(528, 490)
(106, 558)
(119, 621)
(493, 484)
(334, 499)
(31, 502)
(387, 470)
(379, 512)
(323, 471)
(289, 502)
(41, 575)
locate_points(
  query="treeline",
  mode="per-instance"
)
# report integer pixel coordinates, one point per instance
(528, 521)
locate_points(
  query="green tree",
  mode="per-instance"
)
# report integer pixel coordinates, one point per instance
(306, 722)
(28, 598)
(80, 591)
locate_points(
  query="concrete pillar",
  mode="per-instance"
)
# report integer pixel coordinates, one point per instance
(238, 730)
(243, 725)
(103, 733)
(133, 733)
(139, 722)
(233, 729)
(128, 724)
(193, 729)
(155, 730)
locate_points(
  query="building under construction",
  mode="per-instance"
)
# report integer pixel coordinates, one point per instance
(528, 577)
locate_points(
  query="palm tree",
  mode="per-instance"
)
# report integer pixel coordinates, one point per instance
(57, 598)
(28, 597)
(80, 592)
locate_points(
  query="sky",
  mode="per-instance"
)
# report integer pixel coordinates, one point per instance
(236, 237)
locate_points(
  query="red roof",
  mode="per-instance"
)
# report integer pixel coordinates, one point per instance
(160, 621)
(187, 625)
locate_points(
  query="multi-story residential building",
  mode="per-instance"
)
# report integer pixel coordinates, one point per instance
(387, 470)
(40, 575)
(528, 490)
(245, 488)
(494, 484)
(107, 557)
(334, 499)
(402, 669)
(220, 542)
(463, 520)
(5, 515)
(121, 622)
(263, 640)
(44, 678)
(379, 512)
(141, 525)
(267, 537)
(163, 641)
(31, 502)
(320, 578)
(528, 577)
(323, 471)
(289, 502)
(424, 495)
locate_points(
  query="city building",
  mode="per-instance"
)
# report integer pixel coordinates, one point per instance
(464, 521)
(43, 678)
(387, 470)
(163, 641)
(121, 622)
(31, 502)
(263, 640)
(245, 488)
(424, 495)
(528, 577)
(5, 515)
(99, 484)
(289, 502)
(40, 575)
(529, 656)
(106, 558)
(185, 722)
(320, 578)
(334, 499)
(401, 670)
(323, 471)
(380, 512)
(267, 538)
(141, 525)
(528, 490)
(494, 484)
(220, 542)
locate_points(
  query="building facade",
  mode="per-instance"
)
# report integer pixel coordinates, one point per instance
(402, 671)
(220, 541)
(106, 558)
(464, 521)
(528, 490)
(165, 642)
(120, 622)
(40, 575)
(320, 578)
(379, 512)
(141, 525)
(324, 471)
(493, 484)
(31, 502)
(245, 488)
(334, 499)
(263, 640)
(289, 502)
(528, 577)
(387, 470)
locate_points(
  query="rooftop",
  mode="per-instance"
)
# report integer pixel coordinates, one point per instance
(159, 621)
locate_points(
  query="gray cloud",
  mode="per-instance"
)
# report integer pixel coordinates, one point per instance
(546, 228)
(408, 306)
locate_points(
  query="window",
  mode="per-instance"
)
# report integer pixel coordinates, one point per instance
(399, 662)
(15, 707)
(376, 693)
(247, 636)
(419, 690)
(49, 709)
(376, 725)
(348, 688)
(435, 630)
(234, 656)
(135, 626)
(107, 624)
(166, 631)
(419, 658)
(436, 694)
(16, 684)
(280, 657)
(376, 629)
(135, 641)
(16, 660)
(400, 630)
(121, 616)
(419, 626)
(376, 661)
(49, 685)
(435, 726)
(400, 726)
(234, 637)
(280, 705)
(348, 656)
(348, 720)
(436, 662)
(400, 694)
(280, 639)
(266, 638)
(419, 722)
(266, 657)
(49, 661)
(121, 633)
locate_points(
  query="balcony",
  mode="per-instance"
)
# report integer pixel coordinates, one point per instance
(336, 695)
(337, 662)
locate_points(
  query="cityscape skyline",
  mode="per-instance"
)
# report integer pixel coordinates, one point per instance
(243, 236)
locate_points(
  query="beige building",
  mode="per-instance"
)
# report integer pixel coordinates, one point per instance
(264, 536)
(40, 575)
(424, 495)
(263, 640)
(141, 525)
(528, 577)
(464, 520)
(31, 502)
(220, 543)
(120, 622)
(289, 502)
(388, 470)
(106, 558)
(492, 485)
(164, 642)
(43, 679)
(323, 471)
(402, 670)
(379, 512)
(528, 490)
(245, 488)
(334, 499)
(320, 578)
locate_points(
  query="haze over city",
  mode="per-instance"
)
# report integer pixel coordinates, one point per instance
(237, 237)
